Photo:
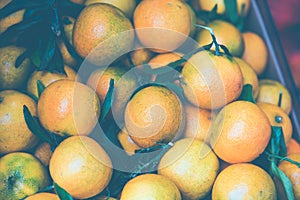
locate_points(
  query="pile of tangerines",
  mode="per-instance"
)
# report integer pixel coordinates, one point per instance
(162, 105)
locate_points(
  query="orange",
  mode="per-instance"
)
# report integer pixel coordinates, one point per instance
(193, 20)
(162, 25)
(208, 5)
(192, 166)
(126, 6)
(269, 91)
(198, 122)
(43, 152)
(103, 29)
(12, 19)
(68, 26)
(47, 77)
(210, 81)
(43, 196)
(67, 57)
(293, 146)
(278, 117)
(226, 34)
(10, 76)
(240, 132)
(293, 172)
(128, 145)
(68, 108)
(255, 52)
(124, 85)
(154, 120)
(249, 75)
(140, 55)
(21, 175)
(244, 181)
(150, 186)
(14, 133)
(80, 166)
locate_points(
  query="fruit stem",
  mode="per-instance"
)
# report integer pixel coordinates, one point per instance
(279, 99)
(278, 119)
(211, 31)
(284, 158)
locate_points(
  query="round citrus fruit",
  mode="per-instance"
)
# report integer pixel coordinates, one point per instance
(244, 181)
(66, 107)
(198, 122)
(80, 166)
(12, 77)
(255, 52)
(226, 34)
(66, 55)
(150, 186)
(240, 132)
(47, 77)
(43, 196)
(293, 146)
(150, 121)
(21, 175)
(192, 166)
(14, 133)
(43, 152)
(127, 143)
(206, 82)
(278, 117)
(292, 171)
(140, 55)
(68, 26)
(103, 30)
(162, 25)
(269, 92)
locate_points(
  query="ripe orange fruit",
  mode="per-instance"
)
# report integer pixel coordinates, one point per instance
(104, 30)
(126, 6)
(226, 34)
(293, 172)
(162, 25)
(43, 196)
(21, 175)
(160, 119)
(255, 52)
(206, 82)
(12, 19)
(208, 5)
(128, 145)
(249, 75)
(278, 117)
(43, 152)
(193, 20)
(68, 108)
(293, 146)
(240, 125)
(269, 91)
(198, 122)
(150, 186)
(68, 26)
(14, 133)
(244, 181)
(140, 55)
(124, 85)
(192, 166)
(80, 166)
(47, 77)
(10, 76)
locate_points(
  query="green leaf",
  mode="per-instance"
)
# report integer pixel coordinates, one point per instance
(48, 52)
(36, 58)
(108, 101)
(231, 10)
(35, 127)
(40, 87)
(226, 51)
(247, 94)
(213, 13)
(63, 194)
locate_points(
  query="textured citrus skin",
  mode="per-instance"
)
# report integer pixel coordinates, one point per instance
(167, 23)
(278, 117)
(226, 34)
(17, 177)
(244, 181)
(157, 120)
(95, 25)
(150, 186)
(43, 196)
(192, 166)
(255, 52)
(293, 146)
(206, 83)
(67, 107)
(43, 152)
(14, 132)
(128, 145)
(80, 166)
(240, 132)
